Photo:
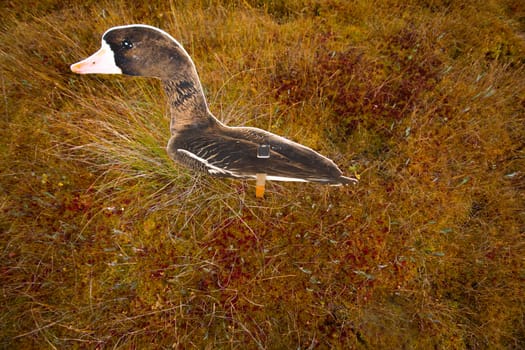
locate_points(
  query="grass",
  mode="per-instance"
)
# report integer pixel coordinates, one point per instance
(105, 243)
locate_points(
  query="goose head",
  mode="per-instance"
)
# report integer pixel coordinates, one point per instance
(139, 50)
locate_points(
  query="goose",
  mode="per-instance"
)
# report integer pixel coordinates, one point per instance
(199, 140)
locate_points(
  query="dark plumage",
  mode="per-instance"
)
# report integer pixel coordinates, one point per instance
(200, 141)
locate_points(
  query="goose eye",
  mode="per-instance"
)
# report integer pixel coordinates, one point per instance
(126, 44)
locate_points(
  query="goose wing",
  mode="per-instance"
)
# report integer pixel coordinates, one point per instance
(243, 152)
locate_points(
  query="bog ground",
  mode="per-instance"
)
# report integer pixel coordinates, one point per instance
(105, 243)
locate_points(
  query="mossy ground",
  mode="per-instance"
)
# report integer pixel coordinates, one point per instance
(105, 243)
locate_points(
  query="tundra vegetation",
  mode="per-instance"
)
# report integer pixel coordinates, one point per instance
(107, 244)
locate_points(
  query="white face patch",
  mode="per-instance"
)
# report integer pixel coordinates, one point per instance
(101, 62)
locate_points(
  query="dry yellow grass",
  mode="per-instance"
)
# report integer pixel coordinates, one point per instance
(105, 243)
